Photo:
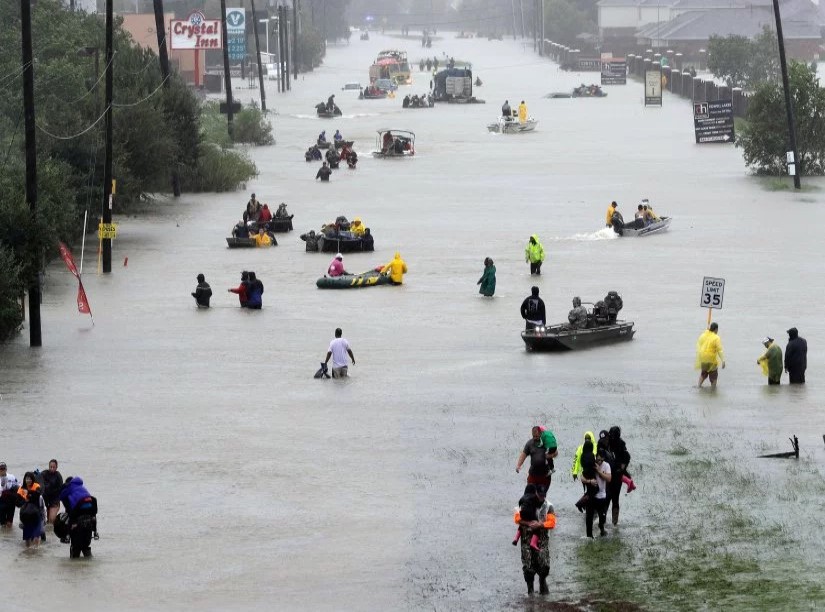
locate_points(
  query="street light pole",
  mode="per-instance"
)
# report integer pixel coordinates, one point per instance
(796, 165)
(107, 165)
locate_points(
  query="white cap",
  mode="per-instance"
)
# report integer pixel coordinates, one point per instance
(339, 256)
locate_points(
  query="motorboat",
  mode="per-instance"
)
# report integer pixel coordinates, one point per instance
(373, 93)
(323, 112)
(589, 91)
(563, 337)
(638, 228)
(234, 242)
(512, 126)
(394, 144)
(371, 278)
(424, 101)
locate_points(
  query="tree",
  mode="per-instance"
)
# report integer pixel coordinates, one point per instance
(564, 21)
(742, 62)
(764, 140)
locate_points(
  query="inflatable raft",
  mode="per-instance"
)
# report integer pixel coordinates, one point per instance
(371, 278)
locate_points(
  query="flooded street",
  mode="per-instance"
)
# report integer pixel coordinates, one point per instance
(229, 478)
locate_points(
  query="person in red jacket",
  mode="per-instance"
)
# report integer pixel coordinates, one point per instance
(243, 289)
(266, 215)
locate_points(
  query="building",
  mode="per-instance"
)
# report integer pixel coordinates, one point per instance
(685, 26)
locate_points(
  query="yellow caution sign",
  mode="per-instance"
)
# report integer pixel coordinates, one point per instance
(107, 231)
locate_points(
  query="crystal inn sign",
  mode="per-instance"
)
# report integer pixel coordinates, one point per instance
(196, 32)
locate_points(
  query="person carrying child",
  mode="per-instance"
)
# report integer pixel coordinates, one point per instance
(534, 517)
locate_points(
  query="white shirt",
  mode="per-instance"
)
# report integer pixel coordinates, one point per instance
(604, 467)
(339, 348)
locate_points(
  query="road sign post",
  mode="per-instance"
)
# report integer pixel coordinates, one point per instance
(713, 293)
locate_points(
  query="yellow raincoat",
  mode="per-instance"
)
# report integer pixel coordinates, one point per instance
(709, 352)
(534, 253)
(577, 458)
(608, 216)
(357, 227)
(396, 268)
(262, 240)
(522, 113)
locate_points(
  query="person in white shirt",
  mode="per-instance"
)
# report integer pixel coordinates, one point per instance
(8, 496)
(338, 350)
(600, 502)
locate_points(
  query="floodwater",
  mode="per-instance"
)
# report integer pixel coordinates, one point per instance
(229, 478)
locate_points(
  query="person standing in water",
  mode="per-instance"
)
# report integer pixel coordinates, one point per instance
(796, 357)
(608, 217)
(201, 294)
(534, 254)
(338, 350)
(771, 361)
(396, 269)
(709, 355)
(488, 279)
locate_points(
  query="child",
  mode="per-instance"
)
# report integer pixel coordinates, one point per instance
(533, 506)
(588, 467)
(548, 441)
(603, 443)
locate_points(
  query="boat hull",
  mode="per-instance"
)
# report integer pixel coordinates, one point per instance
(513, 127)
(563, 338)
(354, 281)
(654, 228)
(343, 245)
(246, 243)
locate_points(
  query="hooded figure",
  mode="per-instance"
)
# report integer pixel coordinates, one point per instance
(608, 217)
(709, 355)
(256, 291)
(534, 254)
(243, 289)
(396, 269)
(577, 458)
(577, 317)
(796, 357)
(202, 292)
(337, 136)
(488, 279)
(324, 172)
(266, 215)
(771, 361)
(336, 266)
(532, 310)
(522, 112)
(356, 227)
(81, 507)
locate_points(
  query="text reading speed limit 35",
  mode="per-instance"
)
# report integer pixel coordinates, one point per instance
(713, 291)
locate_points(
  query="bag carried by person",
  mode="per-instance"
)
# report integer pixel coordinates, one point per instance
(323, 371)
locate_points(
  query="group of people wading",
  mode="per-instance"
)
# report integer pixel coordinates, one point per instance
(600, 465)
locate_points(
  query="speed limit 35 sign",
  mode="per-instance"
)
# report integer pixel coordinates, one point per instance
(713, 291)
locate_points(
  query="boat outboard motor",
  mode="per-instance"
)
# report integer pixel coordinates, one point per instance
(618, 222)
(614, 304)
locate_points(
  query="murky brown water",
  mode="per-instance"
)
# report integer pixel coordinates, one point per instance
(229, 478)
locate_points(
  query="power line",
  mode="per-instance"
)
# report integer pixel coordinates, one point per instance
(79, 134)
(144, 99)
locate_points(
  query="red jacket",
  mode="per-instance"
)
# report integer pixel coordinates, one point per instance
(243, 297)
(266, 215)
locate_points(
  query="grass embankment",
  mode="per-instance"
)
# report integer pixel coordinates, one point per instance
(708, 543)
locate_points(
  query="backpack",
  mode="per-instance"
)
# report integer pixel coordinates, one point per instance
(30, 513)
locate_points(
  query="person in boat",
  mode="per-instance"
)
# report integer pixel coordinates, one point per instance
(532, 310)
(506, 111)
(242, 290)
(255, 292)
(771, 361)
(396, 269)
(522, 112)
(352, 158)
(405, 103)
(337, 137)
(367, 241)
(331, 103)
(336, 266)
(648, 207)
(608, 217)
(577, 317)
(323, 173)
(357, 227)
(262, 239)
(639, 217)
(534, 254)
(282, 212)
(241, 230)
(613, 303)
(266, 215)
(322, 137)
(202, 292)
(253, 201)
(386, 142)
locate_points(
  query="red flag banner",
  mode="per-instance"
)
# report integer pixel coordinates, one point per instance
(82, 300)
(66, 254)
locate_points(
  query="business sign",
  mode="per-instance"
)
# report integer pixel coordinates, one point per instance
(713, 291)
(196, 32)
(236, 34)
(653, 87)
(713, 121)
(614, 71)
(588, 64)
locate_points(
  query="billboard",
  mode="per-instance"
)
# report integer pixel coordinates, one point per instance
(196, 32)
(653, 87)
(713, 121)
(614, 71)
(236, 34)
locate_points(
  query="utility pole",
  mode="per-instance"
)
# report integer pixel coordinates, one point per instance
(258, 54)
(521, 9)
(796, 165)
(286, 46)
(227, 77)
(107, 164)
(513, 7)
(35, 336)
(163, 56)
(295, 38)
(541, 26)
(281, 52)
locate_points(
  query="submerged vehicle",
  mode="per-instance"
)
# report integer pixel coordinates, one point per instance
(512, 126)
(638, 227)
(394, 143)
(600, 326)
(588, 91)
(385, 85)
(351, 85)
(372, 92)
(371, 278)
